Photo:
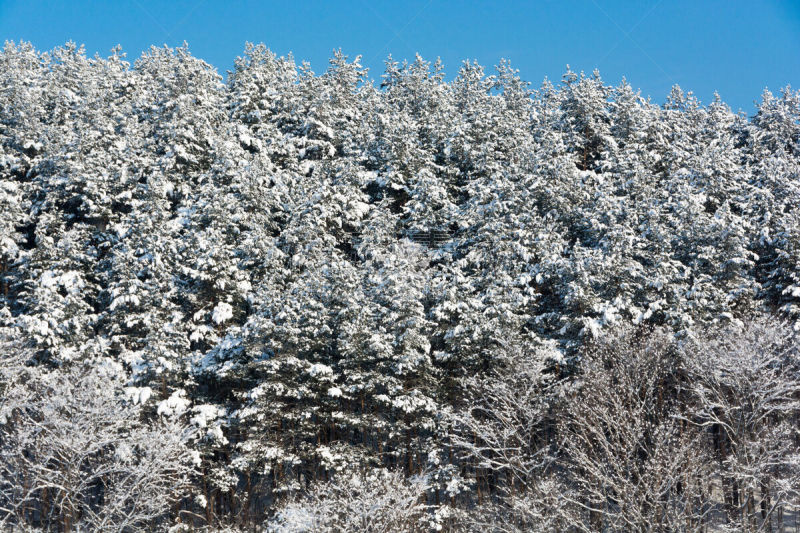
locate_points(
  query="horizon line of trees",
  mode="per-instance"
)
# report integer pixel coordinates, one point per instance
(469, 305)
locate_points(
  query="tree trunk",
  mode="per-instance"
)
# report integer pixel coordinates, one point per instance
(765, 505)
(3, 283)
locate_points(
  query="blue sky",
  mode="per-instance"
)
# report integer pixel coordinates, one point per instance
(733, 46)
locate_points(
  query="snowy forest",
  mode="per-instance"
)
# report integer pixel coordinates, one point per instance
(283, 301)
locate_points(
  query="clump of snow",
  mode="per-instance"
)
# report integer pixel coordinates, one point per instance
(138, 395)
(320, 371)
(175, 405)
(215, 434)
(203, 414)
(32, 145)
(221, 313)
(454, 487)
(195, 456)
(123, 452)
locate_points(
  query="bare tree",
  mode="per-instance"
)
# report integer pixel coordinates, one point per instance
(745, 389)
(631, 462)
(502, 433)
(379, 501)
(76, 453)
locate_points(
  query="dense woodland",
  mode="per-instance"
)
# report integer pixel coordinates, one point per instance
(288, 301)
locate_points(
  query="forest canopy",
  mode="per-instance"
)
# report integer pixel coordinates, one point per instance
(278, 299)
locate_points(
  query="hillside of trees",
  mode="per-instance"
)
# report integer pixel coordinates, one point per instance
(285, 301)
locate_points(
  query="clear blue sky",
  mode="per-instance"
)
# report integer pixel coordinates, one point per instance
(736, 47)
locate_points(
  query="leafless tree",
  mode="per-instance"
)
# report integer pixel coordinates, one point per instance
(375, 502)
(76, 454)
(631, 462)
(503, 433)
(745, 389)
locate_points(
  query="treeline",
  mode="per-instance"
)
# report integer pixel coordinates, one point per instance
(303, 302)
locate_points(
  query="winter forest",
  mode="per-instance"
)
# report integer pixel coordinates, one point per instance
(287, 301)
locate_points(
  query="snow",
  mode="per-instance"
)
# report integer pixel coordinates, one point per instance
(222, 312)
(175, 405)
(138, 395)
(203, 414)
(177, 266)
(320, 371)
